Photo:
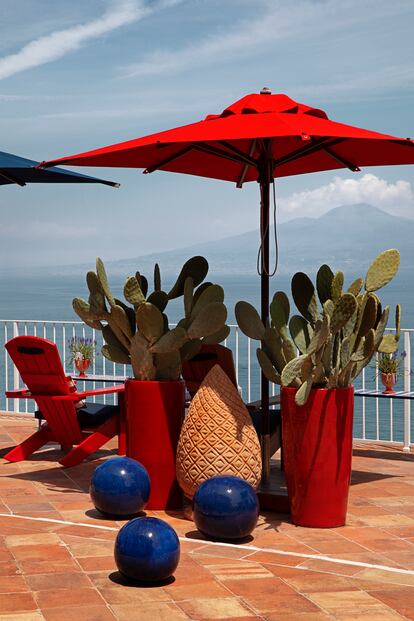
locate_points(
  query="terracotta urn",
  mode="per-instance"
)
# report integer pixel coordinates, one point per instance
(389, 380)
(82, 364)
(217, 436)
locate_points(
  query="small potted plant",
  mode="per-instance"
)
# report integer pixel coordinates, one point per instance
(138, 333)
(82, 352)
(315, 357)
(387, 365)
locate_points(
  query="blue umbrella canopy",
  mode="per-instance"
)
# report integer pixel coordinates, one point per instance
(19, 170)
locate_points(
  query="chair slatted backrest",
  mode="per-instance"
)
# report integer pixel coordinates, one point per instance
(195, 370)
(41, 370)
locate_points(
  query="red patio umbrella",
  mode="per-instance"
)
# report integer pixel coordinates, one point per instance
(258, 138)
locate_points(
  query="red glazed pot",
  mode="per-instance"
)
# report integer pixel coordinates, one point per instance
(317, 445)
(154, 413)
(82, 365)
(389, 380)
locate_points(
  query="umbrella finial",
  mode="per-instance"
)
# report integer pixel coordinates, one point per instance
(265, 91)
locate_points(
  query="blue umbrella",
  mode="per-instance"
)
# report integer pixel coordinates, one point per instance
(19, 170)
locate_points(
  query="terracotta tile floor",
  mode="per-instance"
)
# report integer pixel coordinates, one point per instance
(59, 572)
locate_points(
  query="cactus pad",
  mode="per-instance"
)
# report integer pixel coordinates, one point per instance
(303, 293)
(389, 344)
(103, 280)
(212, 293)
(324, 280)
(301, 332)
(337, 286)
(249, 321)
(292, 370)
(217, 337)
(303, 392)
(195, 268)
(132, 291)
(267, 367)
(382, 270)
(150, 322)
(279, 311)
(343, 311)
(356, 286)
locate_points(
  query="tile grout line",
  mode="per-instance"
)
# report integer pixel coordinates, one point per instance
(251, 549)
(240, 598)
(347, 539)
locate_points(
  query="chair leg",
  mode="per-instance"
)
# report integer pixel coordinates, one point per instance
(30, 445)
(91, 444)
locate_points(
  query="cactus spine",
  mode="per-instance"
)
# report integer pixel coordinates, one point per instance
(335, 342)
(139, 334)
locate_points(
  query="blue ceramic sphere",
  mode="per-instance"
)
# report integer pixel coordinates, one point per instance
(225, 507)
(147, 549)
(120, 486)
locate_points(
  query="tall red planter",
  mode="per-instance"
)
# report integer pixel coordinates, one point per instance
(154, 413)
(317, 445)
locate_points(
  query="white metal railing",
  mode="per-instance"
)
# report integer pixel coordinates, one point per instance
(380, 420)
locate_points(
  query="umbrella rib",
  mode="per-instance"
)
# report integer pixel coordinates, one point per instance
(312, 148)
(234, 157)
(11, 178)
(250, 161)
(242, 177)
(167, 160)
(341, 160)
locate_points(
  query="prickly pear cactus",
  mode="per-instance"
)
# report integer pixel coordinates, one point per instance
(328, 346)
(140, 334)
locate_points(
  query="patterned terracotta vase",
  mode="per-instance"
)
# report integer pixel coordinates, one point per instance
(217, 436)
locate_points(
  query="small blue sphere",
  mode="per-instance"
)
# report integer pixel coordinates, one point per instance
(120, 486)
(225, 507)
(147, 549)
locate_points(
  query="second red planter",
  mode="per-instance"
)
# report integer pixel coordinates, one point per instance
(155, 412)
(317, 444)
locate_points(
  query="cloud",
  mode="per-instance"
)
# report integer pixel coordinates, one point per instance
(61, 42)
(395, 198)
(276, 21)
(391, 78)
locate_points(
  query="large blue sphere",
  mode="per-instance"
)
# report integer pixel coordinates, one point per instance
(225, 507)
(147, 549)
(120, 486)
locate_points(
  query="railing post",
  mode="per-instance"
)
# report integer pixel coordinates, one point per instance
(16, 377)
(407, 388)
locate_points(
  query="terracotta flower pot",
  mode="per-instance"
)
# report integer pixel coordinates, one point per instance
(389, 380)
(154, 413)
(218, 436)
(82, 364)
(317, 444)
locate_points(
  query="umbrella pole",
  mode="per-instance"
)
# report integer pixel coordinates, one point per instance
(264, 285)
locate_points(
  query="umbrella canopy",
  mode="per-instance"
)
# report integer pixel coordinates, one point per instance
(293, 138)
(19, 170)
(258, 138)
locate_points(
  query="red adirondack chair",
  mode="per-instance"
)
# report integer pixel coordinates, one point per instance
(86, 429)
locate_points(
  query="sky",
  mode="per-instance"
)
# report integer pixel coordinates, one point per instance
(81, 75)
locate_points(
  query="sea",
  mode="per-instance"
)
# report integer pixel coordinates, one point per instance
(30, 298)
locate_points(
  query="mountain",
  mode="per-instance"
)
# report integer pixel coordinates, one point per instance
(347, 237)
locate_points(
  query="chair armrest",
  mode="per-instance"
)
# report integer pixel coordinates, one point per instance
(76, 396)
(22, 393)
